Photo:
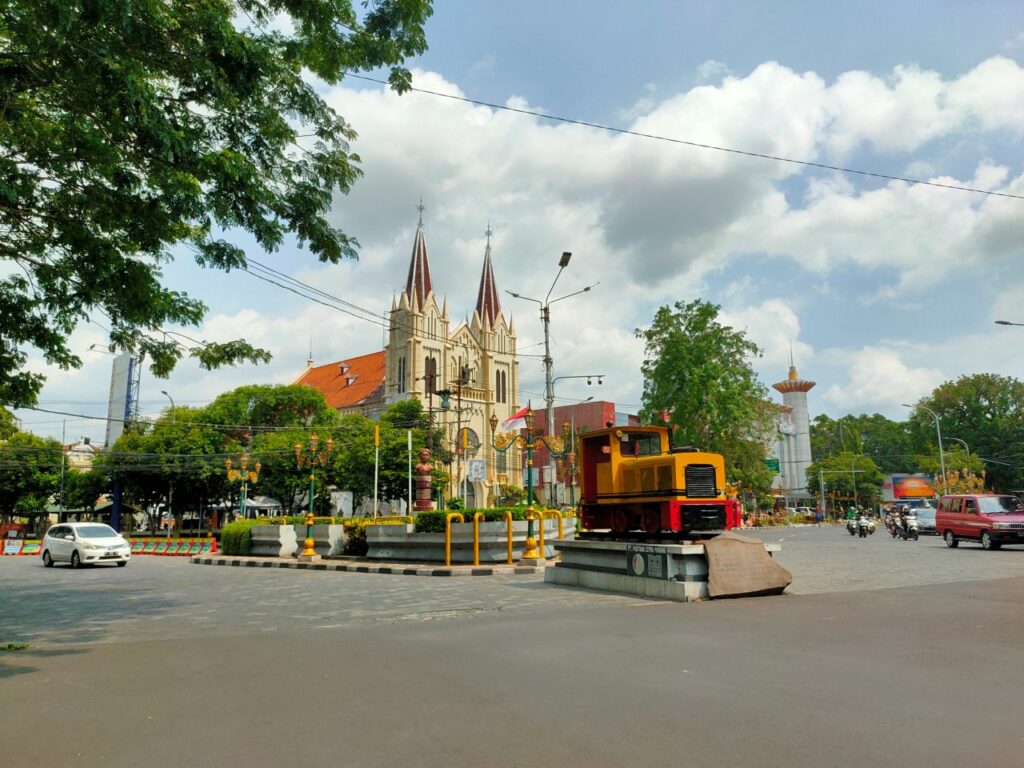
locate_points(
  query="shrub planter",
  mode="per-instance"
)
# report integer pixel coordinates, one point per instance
(398, 542)
(274, 540)
(327, 539)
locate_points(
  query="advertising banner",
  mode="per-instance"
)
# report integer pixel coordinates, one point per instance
(900, 487)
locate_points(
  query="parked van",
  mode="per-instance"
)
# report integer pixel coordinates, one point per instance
(989, 518)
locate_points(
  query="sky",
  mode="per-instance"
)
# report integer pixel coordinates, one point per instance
(882, 289)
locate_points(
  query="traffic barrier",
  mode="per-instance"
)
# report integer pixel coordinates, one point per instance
(195, 548)
(13, 546)
(150, 547)
(161, 547)
(207, 547)
(32, 548)
(173, 546)
(138, 545)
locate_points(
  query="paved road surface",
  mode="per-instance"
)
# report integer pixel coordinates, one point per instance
(200, 666)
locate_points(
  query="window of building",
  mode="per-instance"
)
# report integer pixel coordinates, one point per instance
(430, 374)
(400, 384)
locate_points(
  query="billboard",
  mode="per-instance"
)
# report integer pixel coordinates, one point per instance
(902, 487)
(120, 406)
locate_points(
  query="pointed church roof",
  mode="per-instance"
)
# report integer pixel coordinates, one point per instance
(417, 286)
(487, 305)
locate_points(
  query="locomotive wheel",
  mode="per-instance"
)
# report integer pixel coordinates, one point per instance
(651, 522)
(620, 521)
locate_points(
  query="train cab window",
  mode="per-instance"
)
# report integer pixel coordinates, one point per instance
(640, 444)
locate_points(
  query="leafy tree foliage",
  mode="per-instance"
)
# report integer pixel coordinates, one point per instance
(129, 127)
(8, 424)
(889, 443)
(29, 473)
(987, 412)
(698, 372)
(83, 489)
(848, 478)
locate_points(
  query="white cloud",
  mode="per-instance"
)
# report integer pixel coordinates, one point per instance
(877, 378)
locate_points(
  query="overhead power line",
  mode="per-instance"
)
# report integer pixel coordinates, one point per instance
(697, 144)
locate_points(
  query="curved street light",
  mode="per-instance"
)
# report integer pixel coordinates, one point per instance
(938, 432)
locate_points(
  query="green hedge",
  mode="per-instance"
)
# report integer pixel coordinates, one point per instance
(434, 520)
(355, 532)
(236, 537)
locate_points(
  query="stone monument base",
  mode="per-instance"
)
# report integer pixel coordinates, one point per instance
(669, 571)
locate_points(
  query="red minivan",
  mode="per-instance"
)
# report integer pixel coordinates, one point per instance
(990, 518)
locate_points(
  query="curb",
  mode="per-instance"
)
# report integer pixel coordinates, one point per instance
(392, 570)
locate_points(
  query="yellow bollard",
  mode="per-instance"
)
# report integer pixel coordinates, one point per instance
(508, 522)
(558, 516)
(448, 535)
(477, 517)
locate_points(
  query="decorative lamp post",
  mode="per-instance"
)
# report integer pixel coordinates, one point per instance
(938, 432)
(244, 475)
(507, 440)
(310, 456)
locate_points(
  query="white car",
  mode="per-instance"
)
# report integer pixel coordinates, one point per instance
(84, 544)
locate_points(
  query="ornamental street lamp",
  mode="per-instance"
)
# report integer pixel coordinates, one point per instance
(310, 456)
(556, 447)
(244, 475)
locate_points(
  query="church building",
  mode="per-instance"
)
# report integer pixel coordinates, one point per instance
(463, 375)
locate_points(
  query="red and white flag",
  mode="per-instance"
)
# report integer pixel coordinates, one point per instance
(516, 421)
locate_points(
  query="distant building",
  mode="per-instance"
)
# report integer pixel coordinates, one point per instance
(792, 449)
(80, 455)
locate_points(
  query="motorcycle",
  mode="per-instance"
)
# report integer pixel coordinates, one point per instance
(909, 528)
(872, 525)
(851, 525)
(862, 526)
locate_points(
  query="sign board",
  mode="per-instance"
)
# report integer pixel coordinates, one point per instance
(902, 487)
(773, 465)
(476, 470)
(786, 428)
(646, 561)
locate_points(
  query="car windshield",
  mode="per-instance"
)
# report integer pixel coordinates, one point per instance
(96, 532)
(1000, 504)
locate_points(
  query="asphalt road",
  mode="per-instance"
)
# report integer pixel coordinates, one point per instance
(175, 669)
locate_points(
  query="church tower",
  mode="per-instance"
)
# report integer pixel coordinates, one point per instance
(795, 438)
(472, 369)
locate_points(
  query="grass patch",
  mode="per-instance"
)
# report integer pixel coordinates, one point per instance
(13, 646)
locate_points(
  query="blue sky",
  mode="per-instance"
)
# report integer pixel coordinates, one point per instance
(885, 289)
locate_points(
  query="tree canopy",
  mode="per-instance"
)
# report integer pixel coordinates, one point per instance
(698, 372)
(131, 130)
(889, 443)
(849, 478)
(984, 410)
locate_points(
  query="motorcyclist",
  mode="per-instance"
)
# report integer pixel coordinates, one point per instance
(905, 515)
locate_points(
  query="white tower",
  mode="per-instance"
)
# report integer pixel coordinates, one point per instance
(795, 451)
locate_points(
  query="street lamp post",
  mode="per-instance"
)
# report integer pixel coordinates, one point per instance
(938, 432)
(310, 456)
(244, 475)
(170, 494)
(967, 448)
(506, 441)
(545, 318)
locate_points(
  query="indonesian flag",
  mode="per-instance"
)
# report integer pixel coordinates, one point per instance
(516, 421)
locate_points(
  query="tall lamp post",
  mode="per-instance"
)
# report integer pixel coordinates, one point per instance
(309, 456)
(938, 432)
(244, 475)
(545, 318)
(170, 494)
(503, 443)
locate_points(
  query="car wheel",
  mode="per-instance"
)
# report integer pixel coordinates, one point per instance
(122, 564)
(951, 540)
(76, 561)
(987, 542)
(47, 560)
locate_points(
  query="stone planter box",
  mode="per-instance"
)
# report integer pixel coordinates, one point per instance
(398, 542)
(327, 539)
(286, 540)
(273, 540)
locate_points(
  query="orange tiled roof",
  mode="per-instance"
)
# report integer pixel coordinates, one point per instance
(348, 383)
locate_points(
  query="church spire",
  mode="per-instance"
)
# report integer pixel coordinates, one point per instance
(487, 306)
(417, 286)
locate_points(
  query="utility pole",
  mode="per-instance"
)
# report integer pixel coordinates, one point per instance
(63, 442)
(545, 318)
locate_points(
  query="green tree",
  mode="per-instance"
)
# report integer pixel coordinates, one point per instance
(987, 412)
(698, 371)
(849, 478)
(29, 474)
(965, 472)
(134, 129)
(889, 443)
(8, 424)
(83, 489)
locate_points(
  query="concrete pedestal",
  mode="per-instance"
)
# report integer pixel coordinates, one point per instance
(665, 571)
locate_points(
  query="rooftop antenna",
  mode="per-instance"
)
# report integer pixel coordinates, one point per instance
(309, 360)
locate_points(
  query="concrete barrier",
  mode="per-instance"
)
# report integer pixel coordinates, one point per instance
(400, 543)
(274, 540)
